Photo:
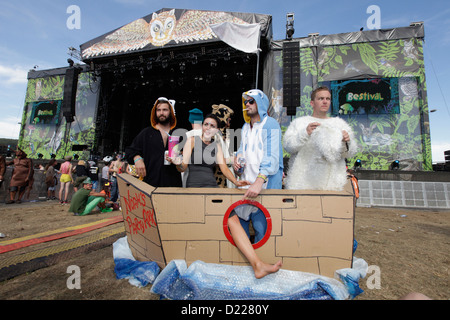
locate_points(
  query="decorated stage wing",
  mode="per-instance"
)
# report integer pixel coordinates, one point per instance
(310, 231)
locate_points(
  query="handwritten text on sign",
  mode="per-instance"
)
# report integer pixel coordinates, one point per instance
(135, 204)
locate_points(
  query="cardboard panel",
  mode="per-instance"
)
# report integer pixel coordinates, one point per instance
(139, 252)
(311, 239)
(275, 215)
(156, 252)
(202, 250)
(231, 254)
(174, 250)
(218, 204)
(179, 208)
(308, 208)
(337, 207)
(267, 251)
(302, 264)
(329, 265)
(150, 250)
(279, 201)
(200, 191)
(210, 230)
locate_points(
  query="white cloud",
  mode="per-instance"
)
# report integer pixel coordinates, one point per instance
(437, 151)
(13, 75)
(10, 127)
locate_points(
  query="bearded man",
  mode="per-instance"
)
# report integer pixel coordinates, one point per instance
(147, 152)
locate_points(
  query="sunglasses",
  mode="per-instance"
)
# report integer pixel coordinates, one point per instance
(251, 101)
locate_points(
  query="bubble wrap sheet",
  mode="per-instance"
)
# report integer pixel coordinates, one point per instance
(209, 281)
(138, 273)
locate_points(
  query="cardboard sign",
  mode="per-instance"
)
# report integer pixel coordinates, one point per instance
(311, 231)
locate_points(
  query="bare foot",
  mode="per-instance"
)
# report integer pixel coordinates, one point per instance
(263, 269)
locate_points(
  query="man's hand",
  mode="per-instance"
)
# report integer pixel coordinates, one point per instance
(236, 164)
(345, 136)
(254, 189)
(140, 168)
(311, 127)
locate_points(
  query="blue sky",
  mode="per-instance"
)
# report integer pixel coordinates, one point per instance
(34, 33)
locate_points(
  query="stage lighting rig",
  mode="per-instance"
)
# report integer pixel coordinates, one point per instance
(289, 26)
(74, 53)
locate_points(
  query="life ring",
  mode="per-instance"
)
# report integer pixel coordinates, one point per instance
(256, 204)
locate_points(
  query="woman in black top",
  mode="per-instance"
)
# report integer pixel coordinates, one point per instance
(81, 173)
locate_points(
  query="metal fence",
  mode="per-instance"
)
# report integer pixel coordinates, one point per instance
(409, 194)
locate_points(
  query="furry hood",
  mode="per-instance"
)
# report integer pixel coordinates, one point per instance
(223, 113)
(173, 119)
(261, 100)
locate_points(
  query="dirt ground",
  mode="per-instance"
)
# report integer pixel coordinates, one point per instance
(408, 249)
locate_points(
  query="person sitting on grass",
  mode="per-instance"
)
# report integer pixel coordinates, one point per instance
(86, 199)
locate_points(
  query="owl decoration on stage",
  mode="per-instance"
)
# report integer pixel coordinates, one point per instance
(193, 25)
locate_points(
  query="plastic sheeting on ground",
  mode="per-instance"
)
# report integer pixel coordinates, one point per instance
(209, 281)
(138, 273)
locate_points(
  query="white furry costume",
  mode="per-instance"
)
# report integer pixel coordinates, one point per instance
(318, 161)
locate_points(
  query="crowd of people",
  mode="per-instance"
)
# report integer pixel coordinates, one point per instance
(78, 175)
(205, 158)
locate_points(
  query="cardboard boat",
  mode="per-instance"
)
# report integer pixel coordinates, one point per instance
(310, 231)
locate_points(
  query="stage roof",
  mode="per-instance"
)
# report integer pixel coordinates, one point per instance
(415, 30)
(169, 28)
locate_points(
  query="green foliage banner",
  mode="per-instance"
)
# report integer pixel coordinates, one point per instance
(59, 137)
(382, 138)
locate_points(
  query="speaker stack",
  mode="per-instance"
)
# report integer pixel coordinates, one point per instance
(70, 93)
(291, 76)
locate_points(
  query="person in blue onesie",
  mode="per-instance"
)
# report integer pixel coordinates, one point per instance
(262, 150)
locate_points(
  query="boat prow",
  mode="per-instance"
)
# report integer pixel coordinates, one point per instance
(310, 231)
